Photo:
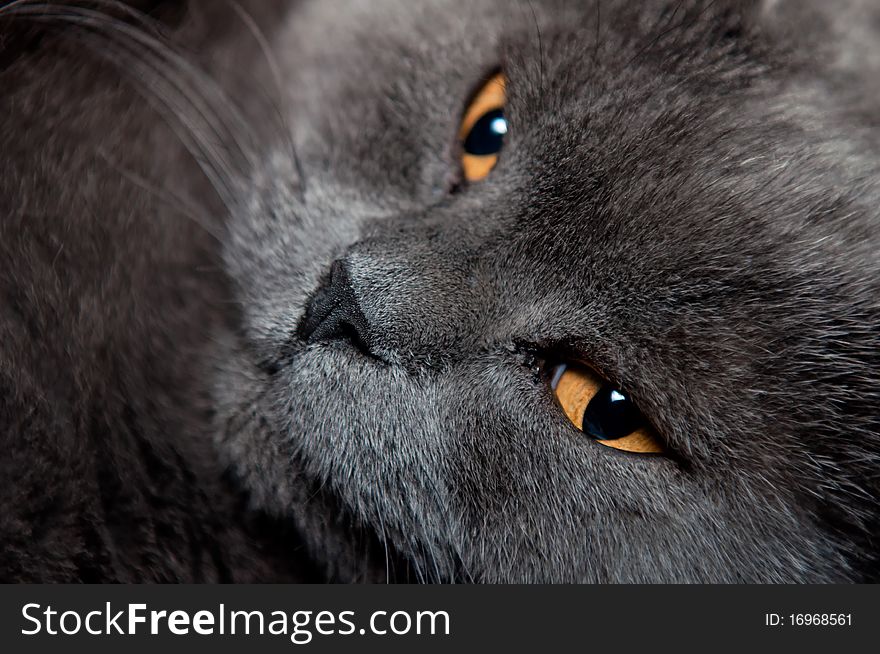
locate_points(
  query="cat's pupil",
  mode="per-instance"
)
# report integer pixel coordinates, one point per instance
(611, 415)
(487, 135)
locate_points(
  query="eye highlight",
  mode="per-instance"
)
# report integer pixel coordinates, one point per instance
(483, 129)
(602, 411)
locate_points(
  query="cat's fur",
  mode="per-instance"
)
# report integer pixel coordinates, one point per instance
(687, 201)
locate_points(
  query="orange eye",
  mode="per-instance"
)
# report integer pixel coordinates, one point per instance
(483, 129)
(602, 411)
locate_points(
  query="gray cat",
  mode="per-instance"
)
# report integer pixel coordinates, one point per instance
(492, 291)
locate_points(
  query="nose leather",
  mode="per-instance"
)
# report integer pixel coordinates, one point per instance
(334, 311)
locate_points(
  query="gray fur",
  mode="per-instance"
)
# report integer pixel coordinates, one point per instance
(687, 201)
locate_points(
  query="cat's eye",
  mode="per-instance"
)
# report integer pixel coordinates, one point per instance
(483, 129)
(601, 411)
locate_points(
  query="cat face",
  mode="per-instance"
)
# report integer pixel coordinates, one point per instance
(674, 213)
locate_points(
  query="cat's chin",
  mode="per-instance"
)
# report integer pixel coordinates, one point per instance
(270, 453)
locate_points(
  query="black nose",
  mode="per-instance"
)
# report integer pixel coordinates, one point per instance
(334, 312)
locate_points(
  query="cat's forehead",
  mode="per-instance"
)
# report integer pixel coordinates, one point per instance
(393, 77)
(595, 117)
(615, 145)
(561, 47)
(440, 49)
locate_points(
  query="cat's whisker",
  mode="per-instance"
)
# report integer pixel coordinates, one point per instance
(384, 538)
(210, 161)
(108, 26)
(540, 40)
(665, 29)
(277, 78)
(163, 195)
(415, 558)
(443, 513)
(209, 158)
(189, 96)
(437, 576)
(598, 36)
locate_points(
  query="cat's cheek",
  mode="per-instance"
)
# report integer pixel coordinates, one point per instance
(530, 489)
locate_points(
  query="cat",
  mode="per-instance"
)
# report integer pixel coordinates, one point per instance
(447, 291)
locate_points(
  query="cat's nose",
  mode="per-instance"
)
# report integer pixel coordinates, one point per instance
(404, 301)
(334, 311)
